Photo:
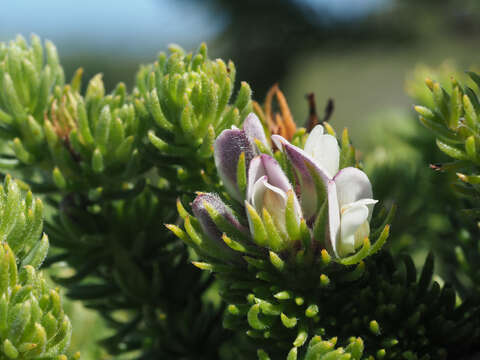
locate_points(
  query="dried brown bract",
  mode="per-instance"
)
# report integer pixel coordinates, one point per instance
(278, 122)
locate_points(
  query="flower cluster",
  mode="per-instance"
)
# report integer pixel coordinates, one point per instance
(335, 204)
(272, 235)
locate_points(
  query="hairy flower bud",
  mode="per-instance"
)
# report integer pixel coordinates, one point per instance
(201, 206)
(230, 145)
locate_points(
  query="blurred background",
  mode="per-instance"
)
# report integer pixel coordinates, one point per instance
(333, 48)
(357, 52)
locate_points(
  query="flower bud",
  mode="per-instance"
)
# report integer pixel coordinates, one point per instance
(228, 147)
(214, 216)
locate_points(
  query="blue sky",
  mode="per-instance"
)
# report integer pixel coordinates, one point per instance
(140, 26)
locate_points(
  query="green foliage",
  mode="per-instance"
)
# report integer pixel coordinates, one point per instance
(112, 167)
(452, 115)
(115, 168)
(187, 100)
(33, 324)
(94, 141)
(452, 131)
(70, 142)
(282, 300)
(135, 265)
(399, 168)
(27, 79)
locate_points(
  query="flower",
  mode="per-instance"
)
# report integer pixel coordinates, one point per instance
(211, 211)
(268, 189)
(348, 191)
(228, 147)
(199, 208)
(350, 207)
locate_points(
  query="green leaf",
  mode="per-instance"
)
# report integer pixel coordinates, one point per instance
(470, 148)
(254, 320)
(456, 108)
(102, 129)
(288, 322)
(83, 125)
(9, 349)
(301, 336)
(276, 261)
(274, 239)
(206, 149)
(37, 254)
(59, 179)
(97, 161)
(311, 311)
(451, 150)
(257, 228)
(156, 110)
(355, 349)
(242, 174)
(292, 354)
(358, 256)
(471, 117)
(291, 223)
(21, 153)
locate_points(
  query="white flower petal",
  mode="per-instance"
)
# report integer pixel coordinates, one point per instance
(275, 201)
(255, 172)
(350, 221)
(317, 130)
(333, 228)
(362, 232)
(360, 202)
(370, 203)
(258, 193)
(324, 149)
(352, 185)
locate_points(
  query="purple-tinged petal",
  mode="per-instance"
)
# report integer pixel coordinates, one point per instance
(228, 147)
(206, 222)
(353, 185)
(267, 188)
(301, 161)
(275, 173)
(324, 150)
(266, 165)
(333, 226)
(273, 199)
(254, 130)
